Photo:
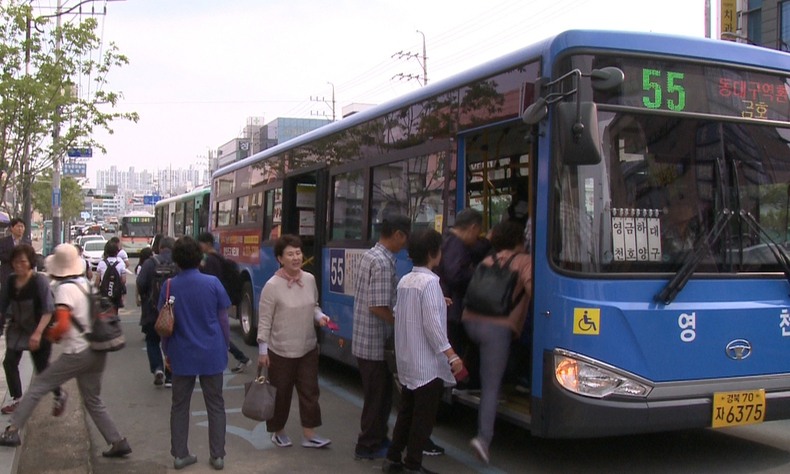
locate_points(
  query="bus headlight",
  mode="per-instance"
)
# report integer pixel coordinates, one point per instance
(591, 380)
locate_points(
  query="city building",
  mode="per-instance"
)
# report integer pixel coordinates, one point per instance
(762, 22)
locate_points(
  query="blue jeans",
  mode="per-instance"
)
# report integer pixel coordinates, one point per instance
(494, 343)
(154, 350)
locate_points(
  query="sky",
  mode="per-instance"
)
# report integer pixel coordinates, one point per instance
(199, 68)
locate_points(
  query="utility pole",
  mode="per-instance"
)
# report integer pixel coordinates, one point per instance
(27, 212)
(322, 99)
(57, 215)
(423, 63)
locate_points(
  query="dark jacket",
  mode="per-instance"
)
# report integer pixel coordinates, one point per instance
(145, 282)
(455, 270)
(6, 247)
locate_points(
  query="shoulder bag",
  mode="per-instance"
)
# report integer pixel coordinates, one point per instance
(167, 318)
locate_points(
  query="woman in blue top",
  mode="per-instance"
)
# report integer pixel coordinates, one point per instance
(197, 348)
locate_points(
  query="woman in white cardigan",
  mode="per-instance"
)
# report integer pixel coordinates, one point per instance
(288, 312)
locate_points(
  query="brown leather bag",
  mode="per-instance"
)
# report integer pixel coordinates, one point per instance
(167, 319)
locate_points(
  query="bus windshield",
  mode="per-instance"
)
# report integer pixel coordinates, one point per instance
(137, 227)
(669, 183)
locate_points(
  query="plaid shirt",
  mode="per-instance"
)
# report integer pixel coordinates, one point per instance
(376, 286)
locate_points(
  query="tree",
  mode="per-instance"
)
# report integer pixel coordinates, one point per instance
(39, 66)
(72, 197)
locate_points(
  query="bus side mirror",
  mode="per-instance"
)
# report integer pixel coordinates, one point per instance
(579, 141)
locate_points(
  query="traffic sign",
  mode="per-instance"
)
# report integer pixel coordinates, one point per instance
(80, 152)
(151, 199)
(79, 170)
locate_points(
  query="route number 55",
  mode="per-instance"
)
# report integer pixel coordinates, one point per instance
(336, 270)
(663, 91)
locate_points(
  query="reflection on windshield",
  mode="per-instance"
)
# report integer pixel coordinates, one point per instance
(656, 194)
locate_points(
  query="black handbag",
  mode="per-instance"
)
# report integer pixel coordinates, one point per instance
(259, 397)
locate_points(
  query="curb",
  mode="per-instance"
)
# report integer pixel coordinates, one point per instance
(9, 457)
(49, 444)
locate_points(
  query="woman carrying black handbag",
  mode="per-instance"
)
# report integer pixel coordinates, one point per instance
(26, 304)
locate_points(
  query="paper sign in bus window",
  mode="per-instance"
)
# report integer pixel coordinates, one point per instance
(636, 235)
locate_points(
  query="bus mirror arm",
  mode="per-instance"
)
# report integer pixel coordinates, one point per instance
(600, 79)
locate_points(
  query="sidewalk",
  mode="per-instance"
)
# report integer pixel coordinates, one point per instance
(49, 445)
(9, 457)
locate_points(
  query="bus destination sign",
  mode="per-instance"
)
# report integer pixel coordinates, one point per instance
(682, 87)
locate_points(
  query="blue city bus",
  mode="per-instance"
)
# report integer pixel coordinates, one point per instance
(657, 175)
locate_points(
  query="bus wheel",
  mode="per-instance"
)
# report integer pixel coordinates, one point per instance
(246, 315)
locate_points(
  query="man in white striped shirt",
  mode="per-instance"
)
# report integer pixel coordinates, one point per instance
(426, 361)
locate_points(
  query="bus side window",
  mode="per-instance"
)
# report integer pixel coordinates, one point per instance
(347, 201)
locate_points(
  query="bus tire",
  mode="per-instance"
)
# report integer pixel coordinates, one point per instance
(247, 315)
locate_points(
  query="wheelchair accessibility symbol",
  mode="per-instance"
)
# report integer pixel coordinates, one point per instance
(587, 321)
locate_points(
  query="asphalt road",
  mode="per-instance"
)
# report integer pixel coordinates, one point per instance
(141, 411)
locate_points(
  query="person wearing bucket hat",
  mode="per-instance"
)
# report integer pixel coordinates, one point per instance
(77, 359)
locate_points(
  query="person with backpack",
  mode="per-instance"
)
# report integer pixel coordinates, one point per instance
(111, 275)
(213, 264)
(77, 359)
(493, 333)
(26, 303)
(153, 275)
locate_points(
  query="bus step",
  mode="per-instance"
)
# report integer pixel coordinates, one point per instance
(513, 406)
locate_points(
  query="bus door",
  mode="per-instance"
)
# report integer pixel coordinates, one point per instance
(304, 214)
(499, 184)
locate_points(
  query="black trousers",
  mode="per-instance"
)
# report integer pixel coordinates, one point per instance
(377, 392)
(416, 418)
(11, 366)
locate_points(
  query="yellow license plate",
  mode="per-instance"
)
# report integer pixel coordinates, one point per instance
(738, 408)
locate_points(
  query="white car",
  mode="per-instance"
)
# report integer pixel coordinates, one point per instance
(87, 238)
(92, 251)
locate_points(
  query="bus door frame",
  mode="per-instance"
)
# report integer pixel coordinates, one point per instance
(290, 215)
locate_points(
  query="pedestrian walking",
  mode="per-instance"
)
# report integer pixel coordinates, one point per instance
(26, 304)
(212, 265)
(7, 244)
(287, 343)
(149, 282)
(77, 361)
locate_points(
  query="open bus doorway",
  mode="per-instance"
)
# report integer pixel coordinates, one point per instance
(499, 184)
(304, 214)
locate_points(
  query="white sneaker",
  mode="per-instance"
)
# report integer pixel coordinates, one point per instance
(315, 442)
(481, 450)
(159, 378)
(282, 441)
(241, 366)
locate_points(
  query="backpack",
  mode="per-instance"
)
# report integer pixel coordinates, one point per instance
(110, 285)
(491, 289)
(162, 271)
(106, 334)
(231, 279)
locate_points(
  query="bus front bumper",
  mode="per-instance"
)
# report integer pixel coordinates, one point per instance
(560, 413)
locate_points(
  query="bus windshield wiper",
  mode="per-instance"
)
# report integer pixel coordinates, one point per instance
(779, 253)
(673, 287)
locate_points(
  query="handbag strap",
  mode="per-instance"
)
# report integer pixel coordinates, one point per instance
(167, 291)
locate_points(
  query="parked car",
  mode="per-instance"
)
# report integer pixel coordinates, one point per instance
(81, 240)
(92, 251)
